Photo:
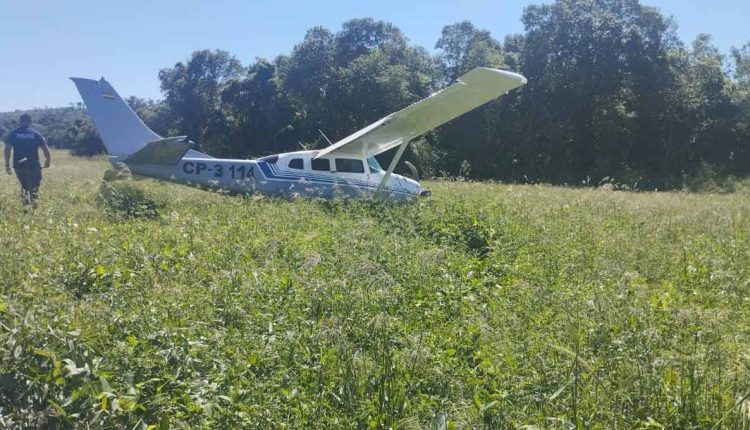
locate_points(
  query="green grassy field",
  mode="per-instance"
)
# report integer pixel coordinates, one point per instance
(486, 306)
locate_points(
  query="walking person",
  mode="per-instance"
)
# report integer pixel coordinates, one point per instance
(24, 142)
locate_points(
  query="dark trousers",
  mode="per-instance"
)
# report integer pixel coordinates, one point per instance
(30, 176)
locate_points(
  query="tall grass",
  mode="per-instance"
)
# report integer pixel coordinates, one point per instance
(487, 306)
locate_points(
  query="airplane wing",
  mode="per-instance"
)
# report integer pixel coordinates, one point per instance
(470, 91)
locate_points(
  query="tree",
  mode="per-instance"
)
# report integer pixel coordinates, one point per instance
(344, 81)
(465, 47)
(84, 139)
(715, 139)
(305, 78)
(256, 114)
(739, 92)
(599, 76)
(471, 141)
(377, 73)
(359, 37)
(155, 114)
(612, 94)
(192, 91)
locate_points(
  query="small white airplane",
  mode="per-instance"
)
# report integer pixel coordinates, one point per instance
(347, 168)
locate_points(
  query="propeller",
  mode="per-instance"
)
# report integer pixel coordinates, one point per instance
(414, 173)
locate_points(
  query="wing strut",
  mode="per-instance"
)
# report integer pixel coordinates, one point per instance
(392, 166)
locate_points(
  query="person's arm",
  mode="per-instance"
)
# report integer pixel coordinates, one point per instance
(45, 149)
(7, 158)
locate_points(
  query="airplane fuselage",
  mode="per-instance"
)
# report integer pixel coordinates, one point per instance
(347, 168)
(288, 174)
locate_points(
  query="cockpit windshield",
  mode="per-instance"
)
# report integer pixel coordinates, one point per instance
(374, 166)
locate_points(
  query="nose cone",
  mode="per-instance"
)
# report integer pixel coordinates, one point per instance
(410, 185)
(408, 182)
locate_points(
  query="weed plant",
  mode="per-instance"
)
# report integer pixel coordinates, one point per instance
(485, 306)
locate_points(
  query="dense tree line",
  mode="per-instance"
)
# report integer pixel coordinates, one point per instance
(66, 128)
(613, 95)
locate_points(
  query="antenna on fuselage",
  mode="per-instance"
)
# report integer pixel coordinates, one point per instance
(325, 137)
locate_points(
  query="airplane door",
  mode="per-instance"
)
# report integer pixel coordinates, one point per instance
(352, 171)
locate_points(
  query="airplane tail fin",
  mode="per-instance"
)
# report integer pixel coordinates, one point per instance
(122, 131)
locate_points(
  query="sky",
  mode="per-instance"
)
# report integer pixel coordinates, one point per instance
(43, 42)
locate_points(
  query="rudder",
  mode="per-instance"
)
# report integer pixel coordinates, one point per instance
(122, 132)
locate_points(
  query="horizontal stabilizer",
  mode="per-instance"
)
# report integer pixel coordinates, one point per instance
(164, 151)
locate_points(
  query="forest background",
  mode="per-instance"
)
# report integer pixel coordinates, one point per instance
(614, 96)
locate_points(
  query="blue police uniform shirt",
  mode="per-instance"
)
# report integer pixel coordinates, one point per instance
(25, 142)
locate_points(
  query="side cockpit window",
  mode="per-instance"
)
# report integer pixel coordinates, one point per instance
(349, 165)
(321, 164)
(296, 163)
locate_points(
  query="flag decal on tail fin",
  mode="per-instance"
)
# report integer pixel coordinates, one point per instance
(109, 96)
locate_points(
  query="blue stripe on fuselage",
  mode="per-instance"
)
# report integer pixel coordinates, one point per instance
(271, 171)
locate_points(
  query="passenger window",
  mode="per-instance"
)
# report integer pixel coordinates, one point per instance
(349, 165)
(321, 164)
(296, 163)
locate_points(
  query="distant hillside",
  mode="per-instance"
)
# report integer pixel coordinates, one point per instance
(64, 128)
